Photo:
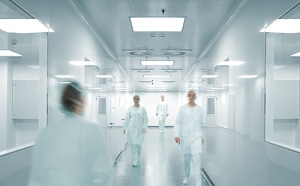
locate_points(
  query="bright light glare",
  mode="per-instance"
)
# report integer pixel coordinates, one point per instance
(283, 26)
(64, 76)
(9, 53)
(296, 54)
(157, 76)
(104, 76)
(157, 62)
(248, 76)
(228, 85)
(23, 26)
(157, 24)
(81, 63)
(231, 63)
(209, 76)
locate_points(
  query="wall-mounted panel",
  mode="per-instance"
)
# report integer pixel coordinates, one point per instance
(25, 99)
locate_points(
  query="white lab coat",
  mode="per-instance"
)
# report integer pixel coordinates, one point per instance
(71, 152)
(136, 120)
(162, 109)
(188, 128)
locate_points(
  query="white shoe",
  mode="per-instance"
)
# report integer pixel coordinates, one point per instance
(135, 163)
(185, 180)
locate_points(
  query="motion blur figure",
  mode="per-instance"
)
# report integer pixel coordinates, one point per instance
(162, 111)
(72, 151)
(135, 126)
(188, 134)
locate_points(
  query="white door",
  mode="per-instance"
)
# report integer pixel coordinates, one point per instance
(211, 111)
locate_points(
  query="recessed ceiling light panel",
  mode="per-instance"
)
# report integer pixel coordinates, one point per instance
(157, 62)
(157, 24)
(9, 53)
(23, 26)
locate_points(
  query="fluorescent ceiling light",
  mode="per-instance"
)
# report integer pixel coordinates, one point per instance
(9, 53)
(64, 76)
(117, 84)
(283, 26)
(278, 66)
(157, 62)
(64, 82)
(209, 76)
(231, 63)
(95, 88)
(81, 63)
(296, 54)
(248, 76)
(157, 24)
(228, 85)
(160, 85)
(103, 90)
(23, 26)
(217, 88)
(210, 90)
(88, 85)
(104, 76)
(126, 90)
(156, 90)
(33, 66)
(157, 76)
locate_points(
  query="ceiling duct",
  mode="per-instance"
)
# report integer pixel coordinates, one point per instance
(142, 70)
(176, 52)
(138, 52)
(168, 70)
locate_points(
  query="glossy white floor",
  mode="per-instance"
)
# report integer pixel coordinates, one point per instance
(161, 163)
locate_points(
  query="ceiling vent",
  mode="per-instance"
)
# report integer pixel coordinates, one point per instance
(138, 52)
(143, 70)
(176, 52)
(168, 70)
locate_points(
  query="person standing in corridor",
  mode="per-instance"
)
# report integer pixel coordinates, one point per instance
(188, 134)
(162, 112)
(135, 126)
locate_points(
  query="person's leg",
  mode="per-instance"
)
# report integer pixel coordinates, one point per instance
(196, 159)
(160, 125)
(134, 154)
(163, 123)
(187, 164)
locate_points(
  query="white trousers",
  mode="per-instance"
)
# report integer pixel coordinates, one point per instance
(135, 152)
(162, 123)
(196, 159)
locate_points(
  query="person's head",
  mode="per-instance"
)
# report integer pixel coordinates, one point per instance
(162, 97)
(72, 98)
(191, 95)
(136, 99)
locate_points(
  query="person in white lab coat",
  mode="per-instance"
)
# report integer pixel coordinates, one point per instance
(73, 150)
(188, 134)
(162, 111)
(135, 126)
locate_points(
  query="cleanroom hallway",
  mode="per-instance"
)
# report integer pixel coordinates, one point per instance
(161, 163)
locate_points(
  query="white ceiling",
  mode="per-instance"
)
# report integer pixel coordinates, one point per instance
(204, 20)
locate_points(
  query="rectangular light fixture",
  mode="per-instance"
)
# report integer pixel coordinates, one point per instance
(157, 62)
(209, 76)
(95, 88)
(157, 24)
(283, 26)
(228, 85)
(217, 88)
(104, 76)
(81, 63)
(102, 90)
(9, 53)
(157, 88)
(65, 76)
(157, 76)
(23, 26)
(231, 63)
(248, 76)
(296, 54)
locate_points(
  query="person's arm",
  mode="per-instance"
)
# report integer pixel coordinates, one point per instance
(127, 119)
(167, 109)
(145, 120)
(177, 126)
(99, 160)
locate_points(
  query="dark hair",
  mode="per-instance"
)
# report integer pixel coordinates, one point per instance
(71, 96)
